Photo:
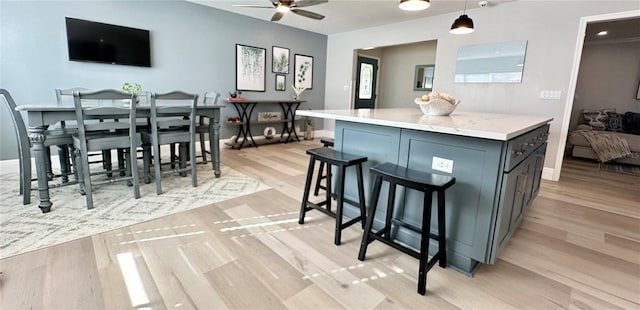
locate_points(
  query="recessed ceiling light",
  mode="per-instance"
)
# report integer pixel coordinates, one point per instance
(602, 33)
(368, 48)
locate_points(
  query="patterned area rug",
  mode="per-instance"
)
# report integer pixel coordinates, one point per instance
(26, 228)
(623, 169)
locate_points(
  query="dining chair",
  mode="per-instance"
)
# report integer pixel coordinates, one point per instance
(105, 155)
(202, 126)
(202, 129)
(116, 131)
(56, 137)
(179, 129)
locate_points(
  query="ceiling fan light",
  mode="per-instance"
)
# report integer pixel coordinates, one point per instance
(414, 5)
(283, 8)
(462, 25)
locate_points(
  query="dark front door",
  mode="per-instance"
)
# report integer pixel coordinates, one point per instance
(366, 83)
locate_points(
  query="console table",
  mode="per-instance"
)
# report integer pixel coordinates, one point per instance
(245, 110)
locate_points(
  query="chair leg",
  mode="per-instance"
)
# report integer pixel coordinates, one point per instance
(121, 160)
(327, 182)
(375, 194)
(319, 178)
(85, 180)
(63, 157)
(74, 162)
(203, 149)
(307, 188)
(146, 162)
(182, 154)
(157, 167)
(106, 162)
(390, 205)
(361, 198)
(192, 162)
(172, 151)
(442, 239)
(47, 163)
(126, 160)
(339, 204)
(133, 169)
(424, 242)
(25, 174)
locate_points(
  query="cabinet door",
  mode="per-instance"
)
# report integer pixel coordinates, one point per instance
(510, 208)
(536, 174)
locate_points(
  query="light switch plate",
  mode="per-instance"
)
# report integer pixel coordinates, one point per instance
(442, 164)
(550, 94)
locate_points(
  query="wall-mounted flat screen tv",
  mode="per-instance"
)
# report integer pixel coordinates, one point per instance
(104, 43)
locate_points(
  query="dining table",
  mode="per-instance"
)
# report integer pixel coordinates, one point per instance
(42, 115)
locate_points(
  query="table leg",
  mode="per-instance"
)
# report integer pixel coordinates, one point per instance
(245, 118)
(289, 110)
(37, 137)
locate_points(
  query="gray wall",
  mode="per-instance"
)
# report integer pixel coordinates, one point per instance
(551, 28)
(398, 72)
(192, 47)
(608, 78)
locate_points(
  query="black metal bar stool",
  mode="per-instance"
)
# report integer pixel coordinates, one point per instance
(420, 181)
(341, 160)
(326, 142)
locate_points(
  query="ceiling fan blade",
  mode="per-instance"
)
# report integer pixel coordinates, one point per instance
(301, 4)
(277, 16)
(309, 14)
(252, 6)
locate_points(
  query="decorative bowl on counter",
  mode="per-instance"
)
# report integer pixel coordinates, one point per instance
(437, 104)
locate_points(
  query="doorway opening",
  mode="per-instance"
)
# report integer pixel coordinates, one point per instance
(584, 22)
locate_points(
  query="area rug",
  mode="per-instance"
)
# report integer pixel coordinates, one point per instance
(25, 228)
(623, 169)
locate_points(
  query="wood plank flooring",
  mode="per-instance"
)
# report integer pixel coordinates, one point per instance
(577, 248)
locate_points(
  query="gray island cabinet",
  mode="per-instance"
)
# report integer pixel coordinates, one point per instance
(497, 161)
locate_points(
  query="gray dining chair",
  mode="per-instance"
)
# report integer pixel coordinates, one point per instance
(58, 137)
(105, 155)
(202, 130)
(202, 126)
(116, 131)
(173, 116)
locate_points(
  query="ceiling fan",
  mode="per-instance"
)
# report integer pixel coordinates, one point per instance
(284, 6)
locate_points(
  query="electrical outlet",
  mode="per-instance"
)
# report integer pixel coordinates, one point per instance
(442, 164)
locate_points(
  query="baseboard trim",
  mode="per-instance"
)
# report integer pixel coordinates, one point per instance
(548, 174)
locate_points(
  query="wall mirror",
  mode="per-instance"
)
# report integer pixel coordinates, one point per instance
(491, 63)
(423, 79)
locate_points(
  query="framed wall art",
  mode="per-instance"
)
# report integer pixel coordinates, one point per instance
(280, 60)
(303, 71)
(281, 82)
(250, 68)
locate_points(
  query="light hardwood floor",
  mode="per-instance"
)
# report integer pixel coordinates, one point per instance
(577, 248)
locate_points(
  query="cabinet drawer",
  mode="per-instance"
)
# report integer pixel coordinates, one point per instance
(520, 147)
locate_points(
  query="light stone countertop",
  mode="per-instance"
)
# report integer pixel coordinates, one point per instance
(471, 124)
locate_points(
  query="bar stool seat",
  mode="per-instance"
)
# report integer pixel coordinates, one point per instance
(420, 181)
(341, 160)
(322, 175)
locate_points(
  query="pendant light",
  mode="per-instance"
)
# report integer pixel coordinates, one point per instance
(463, 24)
(414, 5)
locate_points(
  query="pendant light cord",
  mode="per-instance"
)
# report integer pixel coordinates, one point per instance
(465, 7)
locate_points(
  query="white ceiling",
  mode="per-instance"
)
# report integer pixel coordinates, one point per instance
(346, 15)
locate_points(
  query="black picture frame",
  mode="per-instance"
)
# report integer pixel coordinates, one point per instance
(280, 59)
(251, 65)
(281, 82)
(303, 71)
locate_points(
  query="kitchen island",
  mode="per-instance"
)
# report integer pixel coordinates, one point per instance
(497, 160)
